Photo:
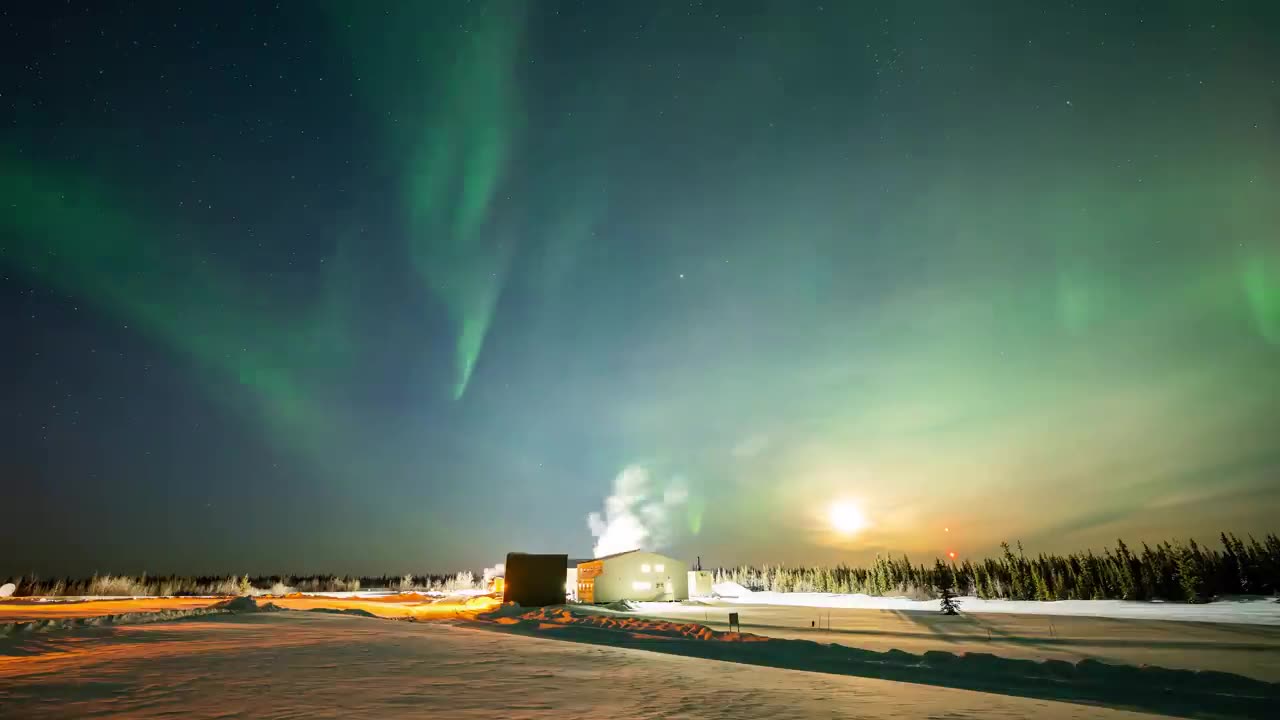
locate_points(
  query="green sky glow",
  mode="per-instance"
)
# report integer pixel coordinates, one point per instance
(70, 234)
(1016, 274)
(445, 82)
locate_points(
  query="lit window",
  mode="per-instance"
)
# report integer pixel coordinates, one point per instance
(644, 568)
(640, 585)
(658, 568)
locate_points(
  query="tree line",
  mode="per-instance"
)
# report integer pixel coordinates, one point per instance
(179, 585)
(1175, 571)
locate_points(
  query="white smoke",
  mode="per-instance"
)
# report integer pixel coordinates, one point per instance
(497, 571)
(636, 515)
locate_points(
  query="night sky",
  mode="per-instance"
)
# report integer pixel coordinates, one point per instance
(384, 287)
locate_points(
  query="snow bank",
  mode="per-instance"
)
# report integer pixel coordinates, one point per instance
(564, 617)
(730, 589)
(234, 606)
(56, 599)
(376, 593)
(1256, 611)
(245, 604)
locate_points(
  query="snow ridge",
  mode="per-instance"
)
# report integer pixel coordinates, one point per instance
(230, 607)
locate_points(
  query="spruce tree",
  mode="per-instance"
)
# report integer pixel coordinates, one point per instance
(945, 579)
(1191, 573)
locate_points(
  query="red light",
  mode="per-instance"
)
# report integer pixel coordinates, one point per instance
(952, 554)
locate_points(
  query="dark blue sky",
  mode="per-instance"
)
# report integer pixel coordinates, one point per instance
(313, 287)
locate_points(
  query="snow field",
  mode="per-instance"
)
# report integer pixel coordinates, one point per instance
(1252, 610)
(295, 664)
(1228, 670)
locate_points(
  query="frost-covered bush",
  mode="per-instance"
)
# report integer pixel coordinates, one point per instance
(464, 580)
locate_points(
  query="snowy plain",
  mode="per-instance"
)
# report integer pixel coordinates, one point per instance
(295, 664)
(1016, 665)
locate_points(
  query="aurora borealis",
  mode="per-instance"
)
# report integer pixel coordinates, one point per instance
(330, 287)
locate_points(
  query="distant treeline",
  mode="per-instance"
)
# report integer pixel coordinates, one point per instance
(176, 585)
(1166, 571)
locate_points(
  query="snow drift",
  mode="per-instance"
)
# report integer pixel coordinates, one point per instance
(234, 606)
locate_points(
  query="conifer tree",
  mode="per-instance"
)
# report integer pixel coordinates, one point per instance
(1191, 573)
(946, 593)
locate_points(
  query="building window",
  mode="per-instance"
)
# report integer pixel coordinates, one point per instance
(640, 585)
(658, 568)
(644, 567)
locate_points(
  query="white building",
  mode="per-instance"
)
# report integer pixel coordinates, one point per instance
(571, 580)
(633, 575)
(701, 583)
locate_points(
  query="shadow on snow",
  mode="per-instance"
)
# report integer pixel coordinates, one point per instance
(1187, 693)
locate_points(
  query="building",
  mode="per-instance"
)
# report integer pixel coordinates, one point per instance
(534, 580)
(701, 583)
(633, 575)
(571, 579)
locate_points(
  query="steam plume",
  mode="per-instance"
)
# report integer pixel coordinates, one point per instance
(636, 515)
(497, 571)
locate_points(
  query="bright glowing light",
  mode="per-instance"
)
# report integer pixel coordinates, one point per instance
(846, 518)
(952, 554)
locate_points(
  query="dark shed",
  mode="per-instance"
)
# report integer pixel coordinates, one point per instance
(535, 580)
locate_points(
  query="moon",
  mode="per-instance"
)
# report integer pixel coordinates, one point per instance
(846, 517)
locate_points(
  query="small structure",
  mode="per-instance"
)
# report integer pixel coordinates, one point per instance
(571, 579)
(701, 583)
(534, 580)
(633, 575)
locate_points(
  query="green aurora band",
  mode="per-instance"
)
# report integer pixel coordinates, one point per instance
(444, 80)
(69, 234)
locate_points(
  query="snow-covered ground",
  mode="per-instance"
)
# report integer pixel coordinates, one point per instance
(1254, 610)
(367, 593)
(293, 664)
(1247, 650)
(1188, 669)
(385, 592)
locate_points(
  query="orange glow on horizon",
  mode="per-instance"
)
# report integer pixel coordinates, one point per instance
(404, 605)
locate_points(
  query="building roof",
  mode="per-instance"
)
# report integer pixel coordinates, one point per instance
(627, 552)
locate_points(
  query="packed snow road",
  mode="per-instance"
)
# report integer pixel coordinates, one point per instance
(296, 664)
